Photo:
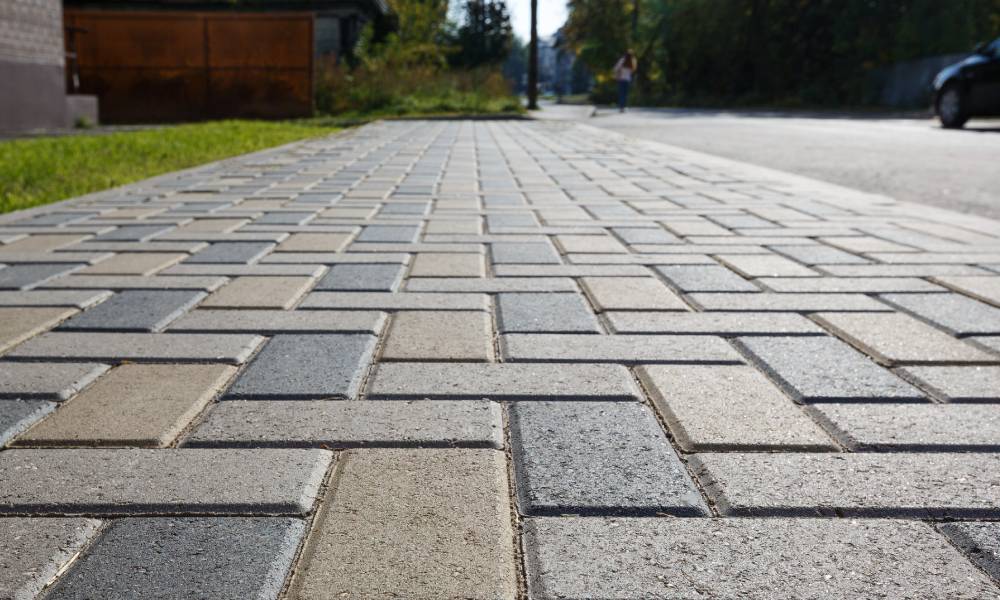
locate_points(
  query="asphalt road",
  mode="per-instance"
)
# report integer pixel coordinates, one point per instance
(906, 158)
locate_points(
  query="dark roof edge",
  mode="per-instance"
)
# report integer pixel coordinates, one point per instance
(369, 6)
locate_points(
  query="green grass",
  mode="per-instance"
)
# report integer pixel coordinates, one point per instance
(41, 170)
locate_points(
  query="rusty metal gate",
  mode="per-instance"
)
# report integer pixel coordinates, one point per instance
(157, 66)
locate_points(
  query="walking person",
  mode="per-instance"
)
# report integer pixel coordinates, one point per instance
(624, 71)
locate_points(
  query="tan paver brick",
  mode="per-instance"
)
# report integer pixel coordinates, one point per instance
(259, 292)
(42, 242)
(630, 293)
(448, 265)
(763, 265)
(314, 242)
(898, 339)
(413, 524)
(20, 323)
(133, 405)
(133, 263)
(437, 335)
(211, 226)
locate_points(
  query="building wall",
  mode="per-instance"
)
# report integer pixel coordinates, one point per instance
(32, 58)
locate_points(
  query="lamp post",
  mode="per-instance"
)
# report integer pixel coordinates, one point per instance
(533, 59)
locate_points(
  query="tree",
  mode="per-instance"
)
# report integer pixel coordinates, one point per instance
(485, 35)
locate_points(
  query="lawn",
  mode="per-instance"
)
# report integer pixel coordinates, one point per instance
(41, 170)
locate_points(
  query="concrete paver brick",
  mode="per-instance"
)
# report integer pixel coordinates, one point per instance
(712, 323)
(259, 292)
(595, 244)
(437, 335)
(309, 367)
(983, 288)
(392, 302)
(592, 458)
(67, 298)
(820, 255)
(502, 381)
(134, 263)
(135, 310)
(448, 265)
(18, 415)
(313, 423)
(908, 485)
(135, 282)
(557, 347)
(498, 285)
(765, 265)
(824, 369)
(533, 253)
(18, 324)
(42, 242)
(921, 427)
(361, 278)
(722, 407)
(314, 242)
(133, 405)
(431, 523)
(35, 550)
(27, 276)
(786, 302)
(595, 558)
(389, 233)
(848, 284)
(957, 314)
(544, 313)
(193, 557)
(125, 481)
(705, 278)
(956, 384)
(897, 339)
(271, 322)
(46, 381)
(139, 347)
(243, 253)
(630, 293)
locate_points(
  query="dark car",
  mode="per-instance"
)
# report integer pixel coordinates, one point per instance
(970, 88)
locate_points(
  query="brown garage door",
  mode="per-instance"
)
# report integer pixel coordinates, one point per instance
(175, 66)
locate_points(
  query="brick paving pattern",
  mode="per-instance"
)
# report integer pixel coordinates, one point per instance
(497, 360)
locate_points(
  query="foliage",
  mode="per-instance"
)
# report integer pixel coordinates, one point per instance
(485, 37)
(41, 170)
(789, 52)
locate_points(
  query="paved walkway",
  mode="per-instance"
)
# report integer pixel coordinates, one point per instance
(497, 360)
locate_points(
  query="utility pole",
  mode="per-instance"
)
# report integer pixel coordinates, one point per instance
(533, 59)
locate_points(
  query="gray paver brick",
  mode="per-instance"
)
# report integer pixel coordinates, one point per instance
(712, 323)
(765, 265)
(599, 558)
(22, 277)
(544, 313)
(979, 541)
(133, 233)
(328, 365)
(820, 255)
(534, 253)
(983, 288)
(361, 278)
(397, 301)
(819, 369)
(70, 298)
(135, 310)
(902, 427)
(957, 384)
(705, 278)
(18, 415)
(630, 293)
(35, 550)
(138, 347)
(716, 407)
(781, 302)
(436, 335)
(135, 282)
(848, 284)
(269, 322)
(898, 339)
(257, 270)
(235, 557)
(162, 481)
(502, 381)
(243, 253)
(955, 313)
(498, 285)
(555, 347)
(311, 423)
(597, 458)
(46, 381)
(413, 523)
(133, 405)
(865, 484)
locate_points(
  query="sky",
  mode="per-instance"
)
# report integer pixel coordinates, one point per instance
(551, 16)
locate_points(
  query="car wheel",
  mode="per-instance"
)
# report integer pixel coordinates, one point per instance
(951, 107)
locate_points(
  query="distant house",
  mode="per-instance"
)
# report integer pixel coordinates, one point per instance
(32, 80)
(178, 60)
